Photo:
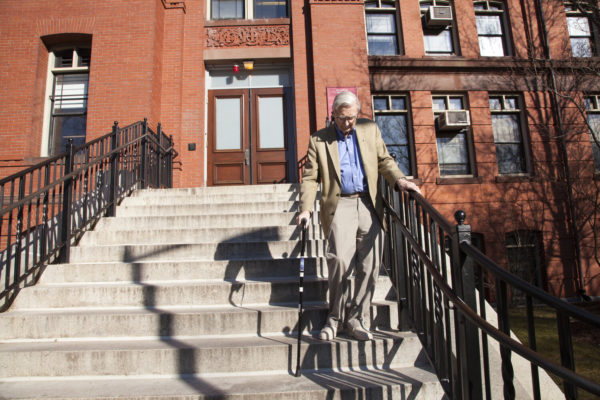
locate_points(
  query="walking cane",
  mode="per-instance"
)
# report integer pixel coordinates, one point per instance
(300, 290)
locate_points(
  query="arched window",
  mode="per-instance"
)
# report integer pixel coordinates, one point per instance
(66, 105)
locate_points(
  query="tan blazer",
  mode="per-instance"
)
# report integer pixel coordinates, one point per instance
(323, 165)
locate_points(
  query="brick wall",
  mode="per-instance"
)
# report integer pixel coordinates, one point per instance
(148, 61)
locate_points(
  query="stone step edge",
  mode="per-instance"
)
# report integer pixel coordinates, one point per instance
(211, 308)
(295, 241)
(182, 309)
(230, 341)
(306, 372)
(289, 279)
(290, 308)
(191, 261)
(183, 283)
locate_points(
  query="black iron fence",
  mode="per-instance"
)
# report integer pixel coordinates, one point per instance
(47, 207)
(457, 300)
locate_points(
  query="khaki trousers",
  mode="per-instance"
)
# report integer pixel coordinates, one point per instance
(354, 245)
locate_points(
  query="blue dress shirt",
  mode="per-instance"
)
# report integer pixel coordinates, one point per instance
(351, 166)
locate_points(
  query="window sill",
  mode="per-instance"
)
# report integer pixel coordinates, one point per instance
(597, 175)
(247, 22)
(513, 178)
(467, 180)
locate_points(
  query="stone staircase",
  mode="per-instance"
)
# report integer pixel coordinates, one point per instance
(192, 294)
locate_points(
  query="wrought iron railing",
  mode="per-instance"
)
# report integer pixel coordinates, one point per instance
(47, 207)
(457, 300)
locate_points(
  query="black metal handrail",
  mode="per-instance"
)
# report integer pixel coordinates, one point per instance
(443, 286)
(47, 207)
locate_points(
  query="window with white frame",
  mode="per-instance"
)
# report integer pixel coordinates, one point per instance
(453, 145)
(490, 20)
(592, 106)
(580, 31)
(248, 9)
(68, 97)
(382, 28)
(392, 117)
(438, 33)
(507, 121)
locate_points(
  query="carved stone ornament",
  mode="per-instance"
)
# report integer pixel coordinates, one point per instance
(247, 36)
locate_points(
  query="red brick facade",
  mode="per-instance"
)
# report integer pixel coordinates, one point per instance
(152, 59)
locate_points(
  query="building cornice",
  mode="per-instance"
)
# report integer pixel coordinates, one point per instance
(461, 64)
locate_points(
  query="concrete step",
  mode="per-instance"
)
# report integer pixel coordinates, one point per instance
(290, 188)
(136, 321)
(201, 221)
(172, 321)
(282, 291)
(175, 235)
(210, 198)
(177, 293)
(164, 322)
(197, 355)
(415, 383)
(195, 251)
(192, 293)
(157, 271)
(206, 209)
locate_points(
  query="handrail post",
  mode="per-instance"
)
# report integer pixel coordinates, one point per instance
(566, 351)
(473, 387)
(46, 200)
(112, 192)
(170, 163)
(65, 227)
(144, 153)
(158, 155)
(19, 229)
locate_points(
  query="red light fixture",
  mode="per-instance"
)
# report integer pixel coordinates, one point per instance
(236, 68)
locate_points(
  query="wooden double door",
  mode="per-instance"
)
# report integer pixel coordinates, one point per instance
(247, 137)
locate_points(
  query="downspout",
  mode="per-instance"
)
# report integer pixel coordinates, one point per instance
(563, 141)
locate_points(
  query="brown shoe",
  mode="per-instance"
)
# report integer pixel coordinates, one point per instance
(358, 332)
(327, 333)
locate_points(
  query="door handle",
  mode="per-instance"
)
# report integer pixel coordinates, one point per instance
(247, 157)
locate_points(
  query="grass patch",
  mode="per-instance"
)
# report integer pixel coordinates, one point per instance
(586, 342)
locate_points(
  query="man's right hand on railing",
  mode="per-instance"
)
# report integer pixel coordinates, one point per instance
(405, 185)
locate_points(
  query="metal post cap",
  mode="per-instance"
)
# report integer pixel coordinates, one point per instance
(460, 216)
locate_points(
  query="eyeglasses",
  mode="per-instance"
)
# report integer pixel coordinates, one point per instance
(346, 119)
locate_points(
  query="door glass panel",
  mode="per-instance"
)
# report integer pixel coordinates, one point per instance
(270, 119)
(228, 124)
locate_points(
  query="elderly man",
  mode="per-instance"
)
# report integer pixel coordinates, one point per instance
(346, 159)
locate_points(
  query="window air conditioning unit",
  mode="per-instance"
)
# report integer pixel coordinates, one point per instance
(453, 120)
(438, 16)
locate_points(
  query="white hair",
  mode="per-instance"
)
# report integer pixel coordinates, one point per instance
(345, 99)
